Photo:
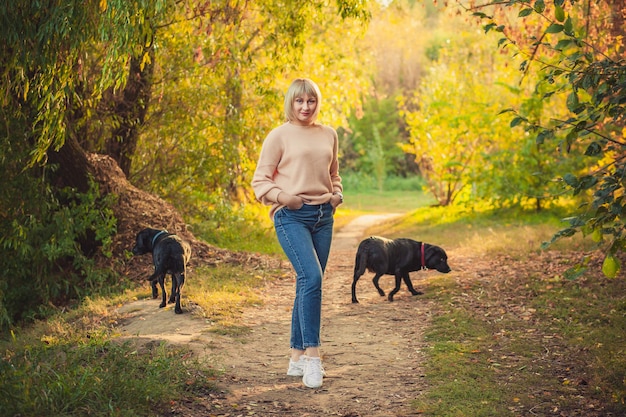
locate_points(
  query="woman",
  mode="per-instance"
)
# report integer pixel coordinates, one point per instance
(297, 174)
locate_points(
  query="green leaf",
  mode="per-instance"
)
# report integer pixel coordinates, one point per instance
(517, 121)
(572, 101)
(488, 27)
(571, 180)
(563, 44)
(523, 65)
(510, 109)
(574, 221)
(597, 236)
(587, 181)
(554, 28)
(593, 149)
(610, 266)
(559, 13)
(568, 27)
(543, 135)
(575, 272)
(569, 232)
(525, 12)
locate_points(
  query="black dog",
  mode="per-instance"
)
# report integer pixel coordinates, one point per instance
(170, 254)
(396, 257)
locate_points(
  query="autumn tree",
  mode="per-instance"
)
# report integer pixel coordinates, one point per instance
(518, 170)
(455, 123)
(53, 218)
(579, 48)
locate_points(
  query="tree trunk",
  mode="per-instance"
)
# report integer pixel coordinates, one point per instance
(73, 165)
(130, 110)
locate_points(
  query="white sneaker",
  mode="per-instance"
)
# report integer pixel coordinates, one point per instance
(296, 368)
(313, 372)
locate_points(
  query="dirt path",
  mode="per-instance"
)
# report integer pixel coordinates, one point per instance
(372, 351)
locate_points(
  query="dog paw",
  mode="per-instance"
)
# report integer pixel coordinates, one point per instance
(417, 293)
(161, 305)
(178, 310)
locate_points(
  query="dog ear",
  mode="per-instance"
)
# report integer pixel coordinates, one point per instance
(145, 238)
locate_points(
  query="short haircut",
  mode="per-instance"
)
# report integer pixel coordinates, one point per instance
(298, 88)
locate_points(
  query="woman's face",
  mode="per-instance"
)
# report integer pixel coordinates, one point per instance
(304, 109)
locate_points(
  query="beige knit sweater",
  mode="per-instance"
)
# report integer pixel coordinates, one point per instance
(299, 160)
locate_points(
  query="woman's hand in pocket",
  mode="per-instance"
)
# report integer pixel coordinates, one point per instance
(292, 202)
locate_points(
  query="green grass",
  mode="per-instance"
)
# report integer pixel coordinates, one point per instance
(385, 201)
(462, 371)
(590, 314)
(63, 368)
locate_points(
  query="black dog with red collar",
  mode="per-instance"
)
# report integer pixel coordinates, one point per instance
(396, 257)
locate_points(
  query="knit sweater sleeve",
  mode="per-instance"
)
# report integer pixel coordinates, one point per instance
(334, 166)
(265, 189)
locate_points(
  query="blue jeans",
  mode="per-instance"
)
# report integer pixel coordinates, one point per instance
(305, 235)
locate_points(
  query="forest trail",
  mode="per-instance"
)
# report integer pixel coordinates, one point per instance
(372, 351)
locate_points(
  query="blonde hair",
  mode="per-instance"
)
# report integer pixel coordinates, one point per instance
(298, 88)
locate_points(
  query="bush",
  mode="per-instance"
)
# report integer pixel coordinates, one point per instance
(48, 246)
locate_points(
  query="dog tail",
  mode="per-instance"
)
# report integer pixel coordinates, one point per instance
(360, 264)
